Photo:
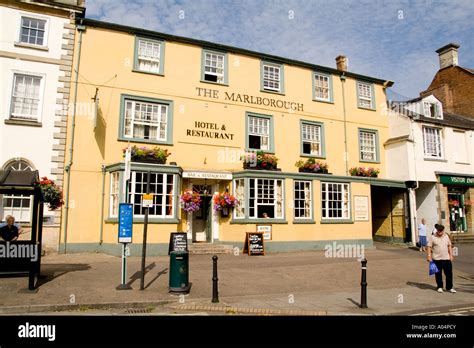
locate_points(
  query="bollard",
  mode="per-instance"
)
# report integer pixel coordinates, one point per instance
(215, 293)
(363, 285)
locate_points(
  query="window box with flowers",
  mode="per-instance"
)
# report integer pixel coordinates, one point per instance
(52, 193)
(366, 172)
(224, 202)
(146, 155)
(259, 160)
(190, 201)
(312, 166)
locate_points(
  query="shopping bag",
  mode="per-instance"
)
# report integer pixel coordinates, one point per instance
(433, 268)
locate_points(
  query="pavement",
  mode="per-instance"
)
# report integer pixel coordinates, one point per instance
(293, 283)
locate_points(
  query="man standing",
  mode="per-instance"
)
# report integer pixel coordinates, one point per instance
(440, 251)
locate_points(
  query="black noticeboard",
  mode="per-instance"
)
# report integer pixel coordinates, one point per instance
(254, 244)
(178, 242)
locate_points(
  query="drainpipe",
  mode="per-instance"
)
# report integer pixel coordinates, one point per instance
(80, 28)
(413, 190)
(101, 239)
(346, 155)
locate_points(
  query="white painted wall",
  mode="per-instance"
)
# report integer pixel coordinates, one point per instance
(32, 143)
(10, 33)
(426, 206)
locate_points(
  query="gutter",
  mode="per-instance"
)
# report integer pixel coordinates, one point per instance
(80, 28)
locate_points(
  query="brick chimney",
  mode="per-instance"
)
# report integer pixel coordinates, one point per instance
(341, 63)
(448, 55)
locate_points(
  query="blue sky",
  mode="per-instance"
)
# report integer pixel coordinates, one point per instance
(393, 40)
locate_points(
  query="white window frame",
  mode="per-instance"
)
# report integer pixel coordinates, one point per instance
(270, 77)
(317, 134)
(32, 16)
(132, 194)
(220, 77)
(344, 189)
(257, 200)
(241, 210)
(363, 147)
(10, 210)
(258, 130)
(317, 79)
(128, 133)
(307, 193)
(38, 117)
(438, 142)
(363, 96)
(427, 110)
(114, 193)
(149, 59)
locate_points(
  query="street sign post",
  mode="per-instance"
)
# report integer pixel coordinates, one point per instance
(145, 227)
(125, 236)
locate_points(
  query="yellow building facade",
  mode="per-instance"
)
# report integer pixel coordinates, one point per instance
(208, 105)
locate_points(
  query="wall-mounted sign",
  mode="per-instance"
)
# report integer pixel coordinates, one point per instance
(125, 223)
(207, 175)
(456, 180)
(250, 99)
(209, 130)
(361, 208)
(266, 230)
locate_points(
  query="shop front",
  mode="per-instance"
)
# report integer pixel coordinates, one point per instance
(457, 199)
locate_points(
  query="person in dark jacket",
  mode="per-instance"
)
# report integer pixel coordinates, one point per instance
(10, 231)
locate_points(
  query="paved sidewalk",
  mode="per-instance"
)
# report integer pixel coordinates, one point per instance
(275, 284)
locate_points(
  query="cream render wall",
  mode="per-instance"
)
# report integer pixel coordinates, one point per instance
(107, 62)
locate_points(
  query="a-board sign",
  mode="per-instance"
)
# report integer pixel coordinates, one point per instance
(178, 242)
(147, 200)
(125, 223)
(254, 243)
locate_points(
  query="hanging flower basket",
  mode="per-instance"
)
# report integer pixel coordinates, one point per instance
(259, 160)
(52, 193)
(147, 155)
(224, 202)
(312, 166)
(366, 172)
(190, 201)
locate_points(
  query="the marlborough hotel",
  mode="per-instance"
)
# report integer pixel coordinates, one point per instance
(208, 104)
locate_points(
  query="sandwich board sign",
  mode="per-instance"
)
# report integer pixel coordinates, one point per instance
(254, 244)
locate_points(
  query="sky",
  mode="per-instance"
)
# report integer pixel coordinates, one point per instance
(388, 39)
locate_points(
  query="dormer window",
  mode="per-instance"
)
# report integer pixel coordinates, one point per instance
(432, 110)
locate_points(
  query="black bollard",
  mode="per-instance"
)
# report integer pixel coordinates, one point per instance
(215, 293)
(363, 285)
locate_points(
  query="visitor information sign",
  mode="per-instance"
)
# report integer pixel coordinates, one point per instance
(125, 223)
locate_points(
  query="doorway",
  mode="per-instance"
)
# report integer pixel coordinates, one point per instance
(457, 216)
(202, 218)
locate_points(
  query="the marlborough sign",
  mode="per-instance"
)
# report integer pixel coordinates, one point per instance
(250, 99)
(456, 180)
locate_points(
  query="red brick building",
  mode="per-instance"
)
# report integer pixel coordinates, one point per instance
(453, 85)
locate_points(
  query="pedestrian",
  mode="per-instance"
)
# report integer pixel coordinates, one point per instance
(434, 229)
(422, 235)
(9, 231)
(440, 250)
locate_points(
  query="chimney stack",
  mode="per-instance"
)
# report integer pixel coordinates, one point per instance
(448, 55)
(341, 63)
